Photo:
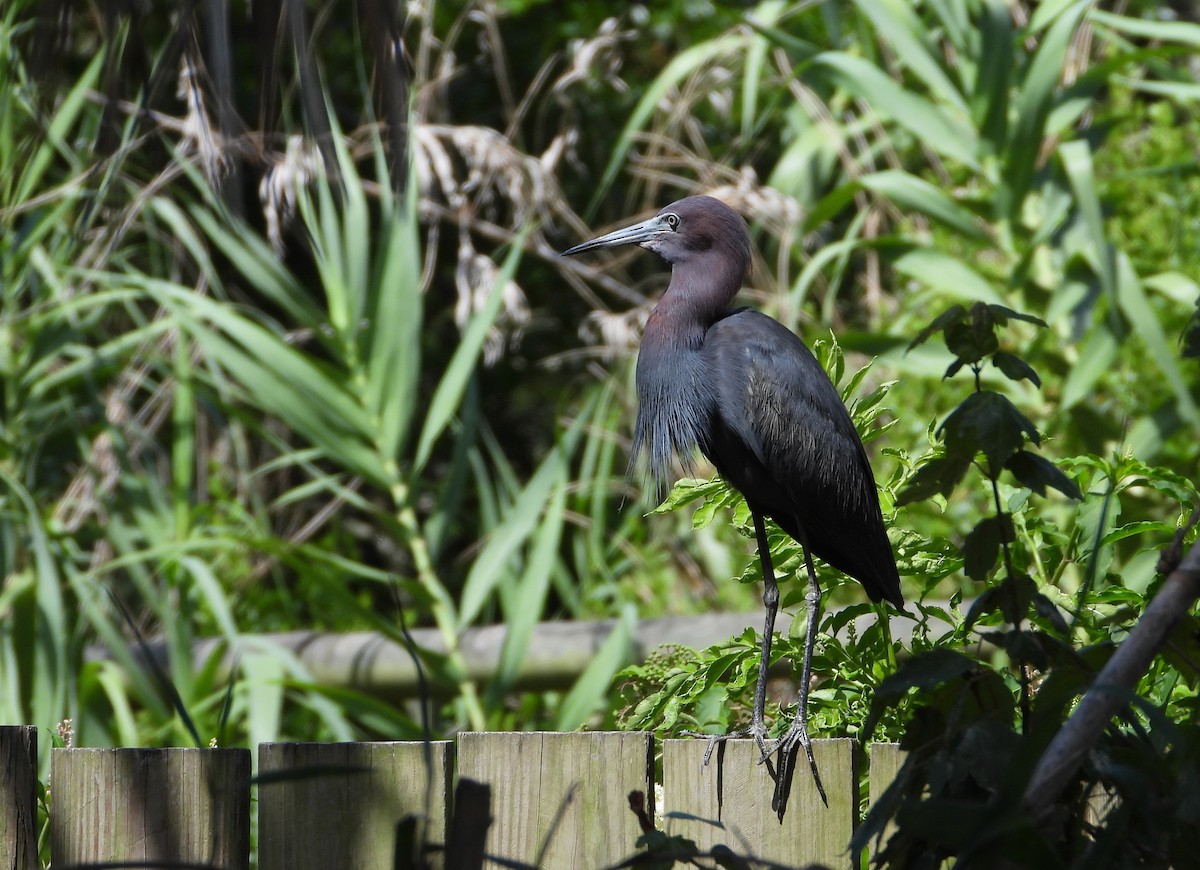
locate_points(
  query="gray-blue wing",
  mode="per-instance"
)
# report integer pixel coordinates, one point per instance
(782, 437)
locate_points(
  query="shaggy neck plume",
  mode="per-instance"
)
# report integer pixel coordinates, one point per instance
(673, 406)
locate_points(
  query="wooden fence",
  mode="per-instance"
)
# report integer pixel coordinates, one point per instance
(533, 799)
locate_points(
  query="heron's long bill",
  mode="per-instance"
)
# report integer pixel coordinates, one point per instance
(634, 235)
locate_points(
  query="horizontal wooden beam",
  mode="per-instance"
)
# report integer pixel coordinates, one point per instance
(557, 654)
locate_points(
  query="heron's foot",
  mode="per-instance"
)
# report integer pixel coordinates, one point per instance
(756, 729)
(786, 748)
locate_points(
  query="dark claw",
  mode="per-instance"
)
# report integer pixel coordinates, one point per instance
(786, 747)
(757, 731)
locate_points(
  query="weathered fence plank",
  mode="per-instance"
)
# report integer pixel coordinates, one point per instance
(561, 800)
(730, 802)
(187, 806)
(323, 805)
(884, 762)
(18, 797)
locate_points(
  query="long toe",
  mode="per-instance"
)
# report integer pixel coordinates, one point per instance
(757, 730)
(788, 747)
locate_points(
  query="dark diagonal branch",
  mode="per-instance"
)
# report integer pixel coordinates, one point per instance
(1111, 687)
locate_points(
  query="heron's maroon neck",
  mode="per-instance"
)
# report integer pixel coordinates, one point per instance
(701, 289)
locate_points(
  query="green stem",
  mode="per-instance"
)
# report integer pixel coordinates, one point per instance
(443, 606)
(1004, 542)
(1009, 578)
(1009, 574)
(885, 625)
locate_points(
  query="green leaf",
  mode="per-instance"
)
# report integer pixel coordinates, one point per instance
(494, 561)
(796, 47)
(681, 65)
(1033, 104)
(1096, 359)
(838, 252)
(1131, 297)
(987, 422)
(262, 674)
(1179, 91)
(177, 221)
(910, 192)
(1144, 527)
(1182, 32)
(982, 545)
(1037, 473)
(987, 603)
(972, 339)
(807, 165)
(923, 672)
(395, 324)
(1016, 594)
(448, 395)
(938, 476)
(527, 602)
(1015, 368)
(945, 133)
(54, 141)
(826, 209)
(1002, 314)
(708, 509)
(1045, 608)
(278, 379)
(1077, 165)
(688, 490)
(953, 314)
(258, 266)
(211, 591)
(989, 97)
(1175, 286)
(766, 14)
(899, 26)
(48, 682)
(591, 689)
(948, 274)
(1045, 13)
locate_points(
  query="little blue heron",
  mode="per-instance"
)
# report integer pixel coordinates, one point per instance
(746, 391)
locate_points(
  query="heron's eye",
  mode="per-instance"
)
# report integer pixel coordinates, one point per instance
(673, 221)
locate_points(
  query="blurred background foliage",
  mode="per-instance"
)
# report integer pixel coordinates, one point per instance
(285, 342)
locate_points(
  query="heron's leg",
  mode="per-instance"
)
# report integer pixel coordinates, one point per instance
(758, 724)
(812, 601)
(798, 733)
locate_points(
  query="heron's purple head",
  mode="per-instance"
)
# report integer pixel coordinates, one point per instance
(697, 228)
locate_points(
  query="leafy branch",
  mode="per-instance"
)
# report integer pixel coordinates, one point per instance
(970, 755)
(988, 432)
